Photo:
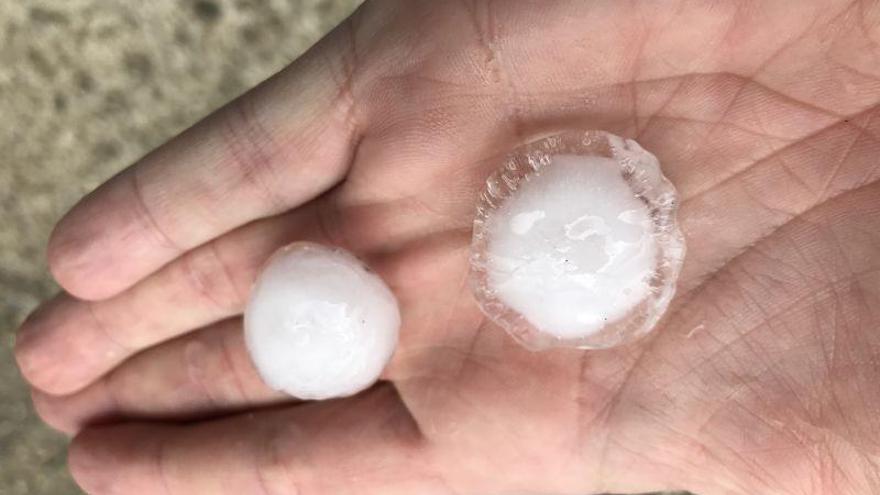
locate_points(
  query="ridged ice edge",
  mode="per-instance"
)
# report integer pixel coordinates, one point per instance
(527, 161)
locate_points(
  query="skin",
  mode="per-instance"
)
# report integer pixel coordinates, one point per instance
(760, 379)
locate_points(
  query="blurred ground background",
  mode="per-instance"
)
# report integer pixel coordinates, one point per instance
(87, 87)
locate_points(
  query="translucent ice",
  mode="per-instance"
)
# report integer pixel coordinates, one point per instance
(576, 242)
(319, 324)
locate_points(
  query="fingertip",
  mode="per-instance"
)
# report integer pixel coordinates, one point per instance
(105, 243)
(49, 379)
(41, 370)
(34, 364)
(50, 409)
(89, 461)
(53, 352)
(70, 414)
(117, 459)
(72, 263)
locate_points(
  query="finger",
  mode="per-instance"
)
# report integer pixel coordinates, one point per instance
(365, 445)
(206, 372)
(274, 148)
(68, 343)
(209, 371)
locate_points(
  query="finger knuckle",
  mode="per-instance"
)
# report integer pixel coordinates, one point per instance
(210, 279)
(211, 369)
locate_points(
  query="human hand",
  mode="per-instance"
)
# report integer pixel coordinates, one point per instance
(761, 379)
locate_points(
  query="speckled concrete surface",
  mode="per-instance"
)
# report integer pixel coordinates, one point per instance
(86, 87)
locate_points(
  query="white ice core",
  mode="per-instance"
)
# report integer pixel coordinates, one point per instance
(318, 324)
(572, 249)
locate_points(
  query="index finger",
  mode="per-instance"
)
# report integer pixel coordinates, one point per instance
(276, 147)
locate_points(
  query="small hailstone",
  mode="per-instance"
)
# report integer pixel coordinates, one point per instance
(576, 242)
(319, 324)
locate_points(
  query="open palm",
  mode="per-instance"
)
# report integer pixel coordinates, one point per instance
(761, 379)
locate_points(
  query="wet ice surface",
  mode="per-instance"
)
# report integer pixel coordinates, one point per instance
(576, 243)
(319, 324)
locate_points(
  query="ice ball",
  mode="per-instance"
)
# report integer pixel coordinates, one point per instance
(319, 324)
(576, 242)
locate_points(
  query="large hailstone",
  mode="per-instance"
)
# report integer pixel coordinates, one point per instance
(319, 324)
(576, 242)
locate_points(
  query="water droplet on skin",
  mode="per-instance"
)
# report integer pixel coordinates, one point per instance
(583, 251)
